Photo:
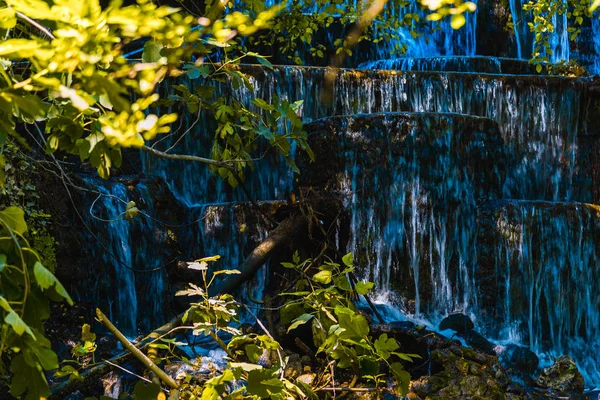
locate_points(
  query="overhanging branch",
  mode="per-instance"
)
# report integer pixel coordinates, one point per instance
(187, 157)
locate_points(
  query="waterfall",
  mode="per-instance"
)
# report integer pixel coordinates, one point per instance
(524, 38)
(127, 254)
(538, 117)
(493, 65)
(546, 258)
(231, 230)
(114, 231)
(411, 190)
(423, 184)
(596, 38)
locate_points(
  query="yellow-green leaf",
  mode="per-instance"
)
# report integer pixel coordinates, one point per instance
(14, 217)
(457, 21)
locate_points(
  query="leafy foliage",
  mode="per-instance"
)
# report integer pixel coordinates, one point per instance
(543, 13)
(340, 332)
(26, 287)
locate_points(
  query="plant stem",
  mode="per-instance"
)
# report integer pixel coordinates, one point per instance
(135, 351)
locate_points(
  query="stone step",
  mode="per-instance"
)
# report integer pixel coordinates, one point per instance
(541, 118)
(538, 276)
(473, 64)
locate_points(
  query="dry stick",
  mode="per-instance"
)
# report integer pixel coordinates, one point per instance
(61, 390)
(187, 157)
(135, 351)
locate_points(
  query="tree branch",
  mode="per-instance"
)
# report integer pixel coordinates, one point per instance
(186, 157)
(42, 28)
(135, 351)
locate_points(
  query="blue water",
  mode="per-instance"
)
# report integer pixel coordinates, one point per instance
(412, 223)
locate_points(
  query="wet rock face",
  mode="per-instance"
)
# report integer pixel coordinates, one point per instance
(563, 375)
(410, 183)
(521, 358)
(477, 341)
(530, 254)
(458, 322)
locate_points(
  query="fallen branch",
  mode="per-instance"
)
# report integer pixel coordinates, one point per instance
(137, 353)
(61, 390)
(279, 238)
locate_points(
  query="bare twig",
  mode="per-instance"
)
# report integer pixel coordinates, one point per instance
(137, 353)
(36, 24)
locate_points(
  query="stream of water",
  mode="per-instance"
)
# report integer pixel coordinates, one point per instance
(495, 225)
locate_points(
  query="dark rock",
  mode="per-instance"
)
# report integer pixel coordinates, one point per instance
(475, 340)
(462, 374)
(521, 358)
(458, 322)
(562, 375)
(293, 368)
(402, 325)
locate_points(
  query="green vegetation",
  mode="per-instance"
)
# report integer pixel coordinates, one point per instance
(63, 70)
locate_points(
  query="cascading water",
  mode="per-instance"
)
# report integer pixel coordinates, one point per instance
(545, 257)
(128, 255)
(595, 68)
(539, 117)
(411, 184)
(524, 37)
(414, 194)
(492, 65)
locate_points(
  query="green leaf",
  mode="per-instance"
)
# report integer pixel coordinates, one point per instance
(364, 287)
(384, 346)
(304, 318)
(253, 352)
(18, 48)
(355, 326)
(46, 279)
(27, 378)
(151, 51)
(86, 333)
(14, 217)
(457, 21)
(266, 63)
(341, 282)
(8, 19)
(401, 376)
(323, 277)
(131, 211)
(17, 324)
(2, 262)
(245, 366)
(227, 272)
(262, 383)
(348, 259)
(143, 391)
